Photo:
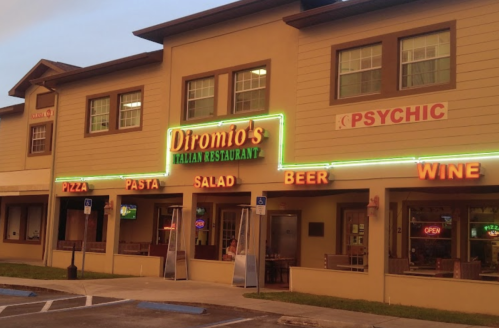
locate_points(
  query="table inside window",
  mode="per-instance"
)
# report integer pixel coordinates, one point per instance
(353, 267)
(430, 273)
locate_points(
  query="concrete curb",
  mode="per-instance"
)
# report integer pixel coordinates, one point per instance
(15, 292)
(171, 308)
(308, 322)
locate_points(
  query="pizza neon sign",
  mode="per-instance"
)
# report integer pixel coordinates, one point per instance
(492, 230)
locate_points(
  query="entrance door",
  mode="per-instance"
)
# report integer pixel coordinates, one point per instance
(284, 235)
(355, 233)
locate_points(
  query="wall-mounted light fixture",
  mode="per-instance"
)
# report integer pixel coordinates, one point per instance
(372, 207)
(108, 208)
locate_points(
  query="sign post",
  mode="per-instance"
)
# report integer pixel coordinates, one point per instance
(261, 204)
(87, 210)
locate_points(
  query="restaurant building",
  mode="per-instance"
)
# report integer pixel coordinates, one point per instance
(370, 126)
(26, 131)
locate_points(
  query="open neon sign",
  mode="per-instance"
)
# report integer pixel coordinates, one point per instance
(432, 230)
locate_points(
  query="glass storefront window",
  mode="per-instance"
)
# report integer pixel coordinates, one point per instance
(430, 231)
(484, 235)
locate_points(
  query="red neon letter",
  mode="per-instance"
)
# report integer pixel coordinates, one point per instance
(427, 171)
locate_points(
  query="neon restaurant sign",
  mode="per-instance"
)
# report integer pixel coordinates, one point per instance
(434, 171)
(233, 144)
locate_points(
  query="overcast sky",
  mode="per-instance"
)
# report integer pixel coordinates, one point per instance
(77, 32)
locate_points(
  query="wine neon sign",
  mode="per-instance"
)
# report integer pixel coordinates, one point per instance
(432, 230)
(434, 171)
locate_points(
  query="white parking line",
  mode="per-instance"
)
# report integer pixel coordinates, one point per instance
(89, 301)
(47, 306)
(55, 299)
(2, 308)
(68, 309)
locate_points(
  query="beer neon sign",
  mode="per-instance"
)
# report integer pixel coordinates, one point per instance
(144, 184)
(200, 223)
(74, 187)
(224, 181)
(306, 178)
(432, 230)
(434, 171)
(212, 145)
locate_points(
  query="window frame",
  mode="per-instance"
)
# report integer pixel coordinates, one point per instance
(391, 64)
(235, 92)
(48, 139)
(230, 72)
(185, 90)
(23, 224)
(41, 101)
(114, 112)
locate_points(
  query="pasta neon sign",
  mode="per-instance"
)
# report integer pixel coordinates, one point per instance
(432, 230)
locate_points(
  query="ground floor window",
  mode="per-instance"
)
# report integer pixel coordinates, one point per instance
(430, 234)
(484, 235)
(23, 223)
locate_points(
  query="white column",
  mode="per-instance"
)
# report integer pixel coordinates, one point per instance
(378, 244)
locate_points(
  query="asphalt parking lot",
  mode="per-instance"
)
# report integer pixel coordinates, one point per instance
(61, 310)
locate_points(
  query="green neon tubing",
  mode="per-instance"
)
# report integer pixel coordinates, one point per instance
(280, 155)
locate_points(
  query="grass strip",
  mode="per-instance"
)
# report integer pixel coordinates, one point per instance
(401, 311)
(16, 270)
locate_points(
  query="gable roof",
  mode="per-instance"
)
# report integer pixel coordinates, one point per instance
(37, 71)
(100, 69)
(213, 16)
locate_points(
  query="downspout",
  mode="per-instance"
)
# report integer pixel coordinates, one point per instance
(51, 200)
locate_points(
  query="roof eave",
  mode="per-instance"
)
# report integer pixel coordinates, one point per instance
(213, 16)
(339, 10)
(101, 69)
(14, 109)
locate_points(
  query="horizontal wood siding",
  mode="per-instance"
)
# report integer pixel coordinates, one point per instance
(121, 153)
(13, 139)
(473, 105)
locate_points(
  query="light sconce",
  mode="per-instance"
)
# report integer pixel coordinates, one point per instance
(108, 208)
(372, 207)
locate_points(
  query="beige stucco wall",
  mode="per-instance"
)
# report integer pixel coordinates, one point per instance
(142, 266)
(445, 294)
(328, 282)
(94, 262)
(211, 271)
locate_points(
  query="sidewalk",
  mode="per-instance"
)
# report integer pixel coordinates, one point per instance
(158, 289)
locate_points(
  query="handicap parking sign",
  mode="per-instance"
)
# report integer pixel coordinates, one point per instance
(261, 204)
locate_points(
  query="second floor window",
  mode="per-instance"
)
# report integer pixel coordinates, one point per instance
(200, 98)
(38, 136)
(99, 114)
(250, 89)
(130, 105)
(360, 71)
(115, 112)
(425, 60)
